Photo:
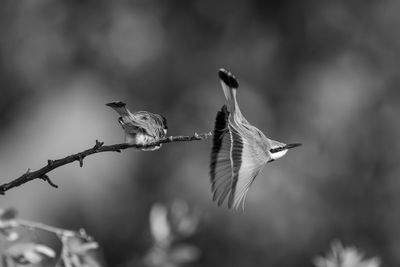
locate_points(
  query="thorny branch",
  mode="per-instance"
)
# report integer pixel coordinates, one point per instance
(97, 148)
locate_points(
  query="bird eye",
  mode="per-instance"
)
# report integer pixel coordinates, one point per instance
(274, 150)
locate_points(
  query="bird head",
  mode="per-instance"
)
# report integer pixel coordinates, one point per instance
(279, 150)
(164, 120)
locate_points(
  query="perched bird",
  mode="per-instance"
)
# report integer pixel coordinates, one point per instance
(240, 151)
(141, 127)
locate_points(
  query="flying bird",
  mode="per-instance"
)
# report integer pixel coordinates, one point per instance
(240, 150)
(141, 127)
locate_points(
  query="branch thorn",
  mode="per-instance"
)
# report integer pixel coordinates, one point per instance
(46, 178)
(98, 145)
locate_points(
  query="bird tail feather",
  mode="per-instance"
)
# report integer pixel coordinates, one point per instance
(123, 111)
(230, 95)
(119, 107)
(229, 85)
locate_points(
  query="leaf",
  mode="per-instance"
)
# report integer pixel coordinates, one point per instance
(157, 256)
(8, 214)
(184, 221)
(340, 256)
(78, 250)
(10, 234)
(184, 254)
(159, 225)
(7, 224)
(78, 246)
(29, 253)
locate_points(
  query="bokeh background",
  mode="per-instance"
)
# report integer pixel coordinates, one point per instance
(323, 73)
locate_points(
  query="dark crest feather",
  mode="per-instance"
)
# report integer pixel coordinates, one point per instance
(228, 78)
(220, 128)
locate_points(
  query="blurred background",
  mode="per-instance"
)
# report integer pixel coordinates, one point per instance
(323, 73)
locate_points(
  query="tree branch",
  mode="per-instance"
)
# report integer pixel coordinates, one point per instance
(97, 148)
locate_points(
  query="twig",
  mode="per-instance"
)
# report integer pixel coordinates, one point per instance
(47, 179)
(97, 148)
(30, 225)
(44, 227)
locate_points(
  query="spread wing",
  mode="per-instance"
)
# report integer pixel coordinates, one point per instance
(236, 159)
(248, 160)
(220, 167)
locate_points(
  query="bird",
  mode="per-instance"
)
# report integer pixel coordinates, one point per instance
(240, 151)
(141, 127)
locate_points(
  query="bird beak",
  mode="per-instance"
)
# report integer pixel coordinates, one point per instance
(289, 146)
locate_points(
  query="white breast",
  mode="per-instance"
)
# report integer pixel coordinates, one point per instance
(142, 139)
(279, 154)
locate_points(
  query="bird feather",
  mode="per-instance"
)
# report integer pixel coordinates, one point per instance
(247, 164)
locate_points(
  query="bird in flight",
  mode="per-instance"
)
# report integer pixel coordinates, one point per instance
(240, 150)
(141, 127)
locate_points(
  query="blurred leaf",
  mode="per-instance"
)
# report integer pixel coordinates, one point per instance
(167, 228)
(78, 250)
(79, 246)
(7, 224)
(8, 214)
(177, 256)
(157, 256)
(184, 254)
(29, 253)
(159, 225)
(9, 233)
(5, 261)
(185, 222)
(340, 256)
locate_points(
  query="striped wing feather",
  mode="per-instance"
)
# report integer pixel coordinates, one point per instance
(128, 125)
(236, 160)
(248, 160)
(220, 167)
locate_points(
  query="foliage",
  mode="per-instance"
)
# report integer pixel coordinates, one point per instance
(76, 246)
(168, 227)
(340, 256)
